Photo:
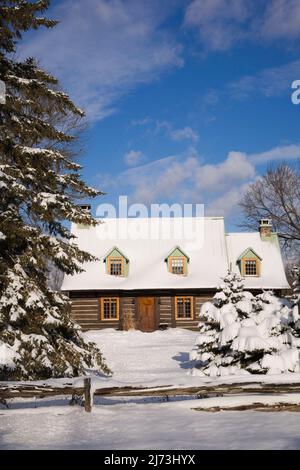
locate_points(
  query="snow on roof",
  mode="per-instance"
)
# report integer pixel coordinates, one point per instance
(147, 242)
(272, 275)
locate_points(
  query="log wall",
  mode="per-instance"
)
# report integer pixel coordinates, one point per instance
(86, 311)
(165, 312)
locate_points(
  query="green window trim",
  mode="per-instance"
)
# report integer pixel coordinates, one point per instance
(249, 263)
(177, 262)
(113, 260)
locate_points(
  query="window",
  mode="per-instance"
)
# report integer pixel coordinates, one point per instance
(178, 265)
(177, 262)
(249, 263)
(110, 308)
(184, 308)
(251, 267)
(116, 266)
(116, 263)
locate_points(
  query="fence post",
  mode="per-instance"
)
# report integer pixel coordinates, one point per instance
(87, 395)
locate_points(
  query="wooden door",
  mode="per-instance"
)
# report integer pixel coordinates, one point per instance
(146, 314)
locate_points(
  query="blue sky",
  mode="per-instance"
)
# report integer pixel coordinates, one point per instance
(188, 101)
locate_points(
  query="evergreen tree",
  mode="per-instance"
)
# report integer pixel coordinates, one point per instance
(296, 285)
(296, 299)
(39, 184)
(241, 334)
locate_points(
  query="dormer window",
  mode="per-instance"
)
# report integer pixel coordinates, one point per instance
(250, 267)
(117, 264)
(178, 265)
(250, 263)
(177, 262)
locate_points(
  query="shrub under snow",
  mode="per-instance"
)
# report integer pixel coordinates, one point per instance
(242, 334)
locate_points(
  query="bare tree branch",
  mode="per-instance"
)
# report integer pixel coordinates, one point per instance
(276, 196)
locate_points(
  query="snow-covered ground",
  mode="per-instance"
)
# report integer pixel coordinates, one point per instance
(161, 357)
(148, 426)
(151, 359)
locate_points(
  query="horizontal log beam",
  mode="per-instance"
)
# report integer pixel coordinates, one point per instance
(295, 407)
(249, 388)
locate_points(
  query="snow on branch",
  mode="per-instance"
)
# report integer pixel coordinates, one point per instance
(243, 334)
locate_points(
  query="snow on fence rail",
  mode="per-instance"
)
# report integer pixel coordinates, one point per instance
(87, 391)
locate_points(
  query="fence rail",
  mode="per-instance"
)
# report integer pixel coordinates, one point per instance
(8, 391)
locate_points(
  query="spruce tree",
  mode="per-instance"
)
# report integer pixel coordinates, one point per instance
(242, 334)
(40, 183)
(296, 285)
(296, 300)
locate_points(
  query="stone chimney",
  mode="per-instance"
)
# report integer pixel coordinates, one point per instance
(265, 228)
(86, 207)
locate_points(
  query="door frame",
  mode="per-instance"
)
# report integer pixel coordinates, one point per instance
(156, 310)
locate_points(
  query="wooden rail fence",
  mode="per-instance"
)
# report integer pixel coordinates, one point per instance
(10, 391)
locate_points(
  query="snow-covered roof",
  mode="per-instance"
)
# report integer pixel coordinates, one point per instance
(147, 242)
(272, 275)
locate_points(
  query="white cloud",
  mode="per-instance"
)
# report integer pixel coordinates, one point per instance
(141, 122)
(187, 179)
(221, 24)
(157, 179)
(269, 82)
(180, 134)
(134, 157)
(273, 81)
(186, 133)
(103, 49)
(227, 203)
(280, 153)
(222, 176)
(281, 20)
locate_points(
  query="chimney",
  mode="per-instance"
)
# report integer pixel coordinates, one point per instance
(265, 228)
(86, 207)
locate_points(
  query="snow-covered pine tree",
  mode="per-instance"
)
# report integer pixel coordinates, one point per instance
(276, 319)
(296, 285)
(296, 299)
(218, 327)
(39, 183)
(241, 334)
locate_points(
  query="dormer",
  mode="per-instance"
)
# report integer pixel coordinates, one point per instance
(249, 263)
(116, 263)
(177, 262)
